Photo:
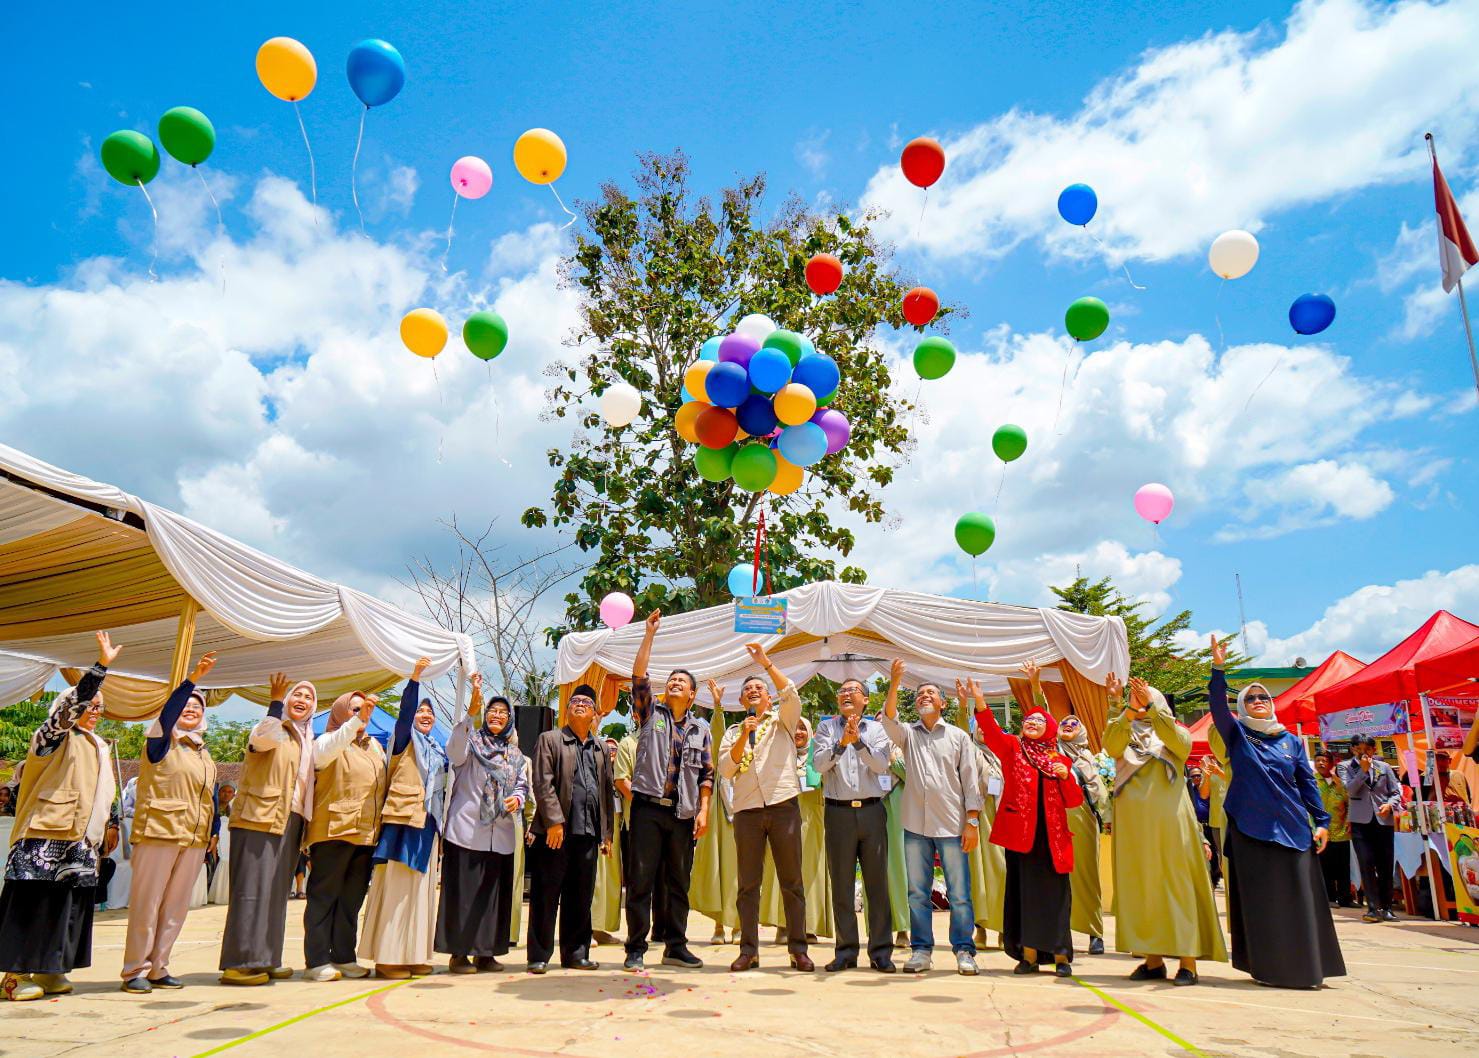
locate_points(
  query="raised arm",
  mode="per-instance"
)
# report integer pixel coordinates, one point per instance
(644, 652)
(405, 718)
(897, 732)
(1117, 732)
(997, 740)
(1176, 737)
(158, 746)
(786, 696)
(332, 743)
(1222, 716)
(69, 707)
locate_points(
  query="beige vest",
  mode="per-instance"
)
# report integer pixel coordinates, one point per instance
(173, 803)
(347, 796)
(57, 791)
(268, 781)
(405, 799)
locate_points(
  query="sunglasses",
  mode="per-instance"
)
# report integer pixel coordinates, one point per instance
(1257, 698)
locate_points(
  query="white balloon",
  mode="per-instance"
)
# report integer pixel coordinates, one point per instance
(1233, 254)
(620, 404)
(756, 326)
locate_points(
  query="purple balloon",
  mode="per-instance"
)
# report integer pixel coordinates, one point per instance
(835, 425)
(737, 349)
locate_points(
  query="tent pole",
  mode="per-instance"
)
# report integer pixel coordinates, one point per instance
(179, 663)
(1442, 814)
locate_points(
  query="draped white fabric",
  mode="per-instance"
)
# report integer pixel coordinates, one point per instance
(938, 637)
(22, 677)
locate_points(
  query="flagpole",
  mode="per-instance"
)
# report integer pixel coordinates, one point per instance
(1463, 303)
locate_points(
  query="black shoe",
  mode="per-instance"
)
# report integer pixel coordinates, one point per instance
(682, 957)
(1096, 945)
(634, 964)
(1372, 916)
(1025, 967)
(883, 966)
(1145, 973)
(486, 964)
(139, 986)
(841, 963)
(166, 982)
(1387, 916)
(1185, 977)
(538, 967)
(580, 964)
(1063, 969)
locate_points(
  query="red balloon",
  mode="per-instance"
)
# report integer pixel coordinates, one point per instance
(716, 427)
(920, 306)
(823, 273)
(923, 161)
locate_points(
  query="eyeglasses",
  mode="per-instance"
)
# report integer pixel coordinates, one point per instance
(581, 699)
(1257, 698)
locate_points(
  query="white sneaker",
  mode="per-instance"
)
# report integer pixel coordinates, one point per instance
(321, 973)
(919, 962)
(352, 970)
(965, 964)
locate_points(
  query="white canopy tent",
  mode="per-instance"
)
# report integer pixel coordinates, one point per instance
(77, 555)
(848, 630)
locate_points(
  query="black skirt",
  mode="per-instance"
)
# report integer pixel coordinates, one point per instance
(1282, 932)
(45, 927)
(475, 908)
(1038, 902)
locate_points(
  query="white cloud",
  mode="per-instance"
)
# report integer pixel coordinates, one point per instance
(390, 191)
(1219, 132)
(1311, 494)
(812, 154)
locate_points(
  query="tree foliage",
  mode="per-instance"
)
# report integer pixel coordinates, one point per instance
(660, 272)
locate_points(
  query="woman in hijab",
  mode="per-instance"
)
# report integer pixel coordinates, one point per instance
(988, 862)
(490, 785)
(1038, 788)
(1084, 823)
(1163, 904)
(1277, 912)
(173, 809)
(401, 914)
(61, 817)
(268, 818)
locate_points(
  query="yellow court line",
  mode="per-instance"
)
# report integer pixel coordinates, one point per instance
(297, 1018)
(1167, 1033)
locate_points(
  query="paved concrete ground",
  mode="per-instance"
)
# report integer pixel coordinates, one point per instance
(1413, 990)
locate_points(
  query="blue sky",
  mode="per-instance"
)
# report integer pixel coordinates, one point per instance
(238, 387)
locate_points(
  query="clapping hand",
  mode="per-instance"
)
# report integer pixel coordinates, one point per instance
(1139, 696)
(1113, 687)
(849, 732)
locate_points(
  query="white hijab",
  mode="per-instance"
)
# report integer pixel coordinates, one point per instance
(1269, 728)
(196, 734)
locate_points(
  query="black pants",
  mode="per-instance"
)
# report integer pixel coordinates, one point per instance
(1374, 852)
(336, 891)
(859, 836)
(561, 881)
(1214, 865)
(1335, 866)
(661, 847)
(778, 826)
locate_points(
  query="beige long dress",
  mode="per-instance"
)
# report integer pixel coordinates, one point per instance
(606, 904)
(713, 887)
(401, 913)
(1087, 915)
(989, 861)
(1163, 901)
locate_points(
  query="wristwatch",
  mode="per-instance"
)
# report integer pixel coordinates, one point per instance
(973, 822)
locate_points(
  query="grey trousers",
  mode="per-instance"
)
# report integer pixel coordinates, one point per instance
(778, 825)
(854, 836)
(261, 869)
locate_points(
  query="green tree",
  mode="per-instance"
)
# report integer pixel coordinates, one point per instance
(659, 273)
(228, 741)
(130, 737)
(19, 722)
(1154, 655)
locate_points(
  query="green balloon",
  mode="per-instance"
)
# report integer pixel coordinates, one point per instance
(788, 342)
(187, 134)
(130, 157)
(934, 357)
(975, 533)
(485, 334)
(754, 467)
(713, 464)
(1009, 442)
(823, 402)
(1087, 319)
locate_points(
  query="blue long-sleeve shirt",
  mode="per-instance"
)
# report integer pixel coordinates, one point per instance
(1272, 795)
(406, 719)
(158, 746)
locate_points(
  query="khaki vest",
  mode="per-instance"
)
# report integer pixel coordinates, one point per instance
(57, 791)
(268, 782)
(173, 804)
(347, 796)
(405, 799)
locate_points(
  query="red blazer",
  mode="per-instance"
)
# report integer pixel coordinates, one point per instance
(1016, 810)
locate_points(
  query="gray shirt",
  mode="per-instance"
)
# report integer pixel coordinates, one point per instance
(853, 772)
(1366, 792)
(674, 758)
(944, 777)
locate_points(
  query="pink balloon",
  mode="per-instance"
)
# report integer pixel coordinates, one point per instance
(471, 177)
(617, 609)
(1153, 502)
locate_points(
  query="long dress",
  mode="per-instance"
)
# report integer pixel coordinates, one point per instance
(606, 904)
(1088, 901)
(988, 862)
(898, 868)
(713, 887)
(1163, 902)
(1040, 920)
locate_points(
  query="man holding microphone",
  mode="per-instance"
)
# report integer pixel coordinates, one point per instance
(1371, 785)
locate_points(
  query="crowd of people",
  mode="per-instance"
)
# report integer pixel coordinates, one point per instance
(416, 849)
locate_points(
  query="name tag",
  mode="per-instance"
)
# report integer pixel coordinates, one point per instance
(993, 785)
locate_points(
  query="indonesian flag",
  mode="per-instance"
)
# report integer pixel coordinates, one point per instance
(1456, 251)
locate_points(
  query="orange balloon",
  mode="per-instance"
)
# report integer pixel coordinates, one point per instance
(693, 379)
(686, 421)
(794, 404)
(788, 477)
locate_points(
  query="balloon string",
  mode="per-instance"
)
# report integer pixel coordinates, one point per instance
(312, 168)
(155, 259)
(1108, 254)
(453, 217)
(996, 503)
(1217, 314)
(1266, 377)
(220, 222)
(1062, 384)
(354, 171)
(497, 421)
(919, 225)
(572, 216)
(442, 433)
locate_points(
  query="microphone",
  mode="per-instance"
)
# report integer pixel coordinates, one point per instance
(751, 712)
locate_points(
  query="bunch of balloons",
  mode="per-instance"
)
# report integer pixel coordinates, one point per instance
(755, 402)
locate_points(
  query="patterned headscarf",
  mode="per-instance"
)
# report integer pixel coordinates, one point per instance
(501, 761)
(1145, 746)
(1042, 751)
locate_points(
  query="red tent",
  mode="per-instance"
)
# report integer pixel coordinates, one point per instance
(1451, 672)
(1295, 708)
(1390, 677)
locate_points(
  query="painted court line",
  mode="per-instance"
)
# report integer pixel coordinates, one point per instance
(1304, 1011)
(299, 1017)
(1167, 1033)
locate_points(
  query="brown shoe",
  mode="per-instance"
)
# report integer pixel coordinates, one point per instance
(391, 973)
(420, 969)
(802, 961)
(743, 963)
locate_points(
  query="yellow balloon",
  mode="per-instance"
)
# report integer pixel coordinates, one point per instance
(794, 404)
(424, 332)
(694, 377)
(686, 421)
(286, 69)
(539, 156)
(788, 477)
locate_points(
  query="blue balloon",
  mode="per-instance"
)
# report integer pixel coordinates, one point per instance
(376, 72)
(804, 444)
(817, 372)
(742, 580)
(807, 348)
(727, 385)
(1078, 204)
(710, 348)
(1311, 313)
(770, 369)
(756, 416)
